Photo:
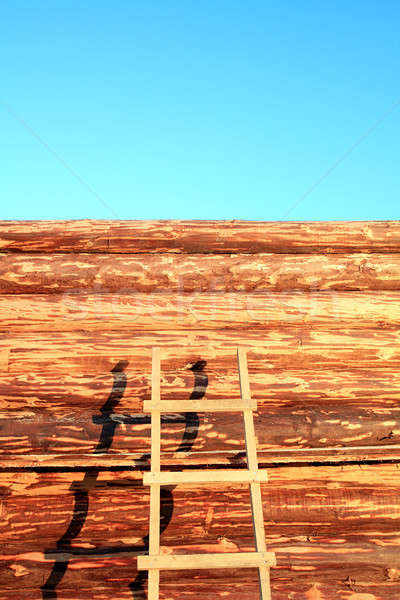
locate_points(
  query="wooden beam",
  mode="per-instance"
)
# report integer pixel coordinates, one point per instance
(357, 395)
(154, 518)
(85, 353)
(107, 273)
(238, 560)
(198, 477)
(199, 236)
(154, 312)
(252, 463)
(203, 406)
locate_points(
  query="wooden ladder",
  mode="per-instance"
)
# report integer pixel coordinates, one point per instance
(155, 561)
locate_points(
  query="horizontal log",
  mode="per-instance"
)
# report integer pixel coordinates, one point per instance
(328, 525)
(92, 436)
(106, 273)
(66, 397)
(199, 236)
(350, 589)
(295, 348)
(337, 455)
(105, 312)
(338, 563)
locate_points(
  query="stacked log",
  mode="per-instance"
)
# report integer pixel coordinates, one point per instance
(317, 307)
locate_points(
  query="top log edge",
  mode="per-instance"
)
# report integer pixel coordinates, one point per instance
(202, 237)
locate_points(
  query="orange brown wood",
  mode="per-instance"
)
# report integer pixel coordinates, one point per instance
(316, 305)
(196, 273)
(229, 237)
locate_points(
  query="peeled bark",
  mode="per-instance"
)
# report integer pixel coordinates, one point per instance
(81, 353)
(199, 236)
(317, 307)
(154, 312)
(196, 273)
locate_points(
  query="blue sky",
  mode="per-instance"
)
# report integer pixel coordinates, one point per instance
(200, 109)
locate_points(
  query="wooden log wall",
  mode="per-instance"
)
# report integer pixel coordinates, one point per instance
(316, 305)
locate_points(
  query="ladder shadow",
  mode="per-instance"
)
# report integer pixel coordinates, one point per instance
(109, 420)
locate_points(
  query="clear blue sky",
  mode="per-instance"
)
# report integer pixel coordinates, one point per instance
(200, 109)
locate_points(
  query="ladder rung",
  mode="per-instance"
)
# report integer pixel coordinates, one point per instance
(228, 475)
(202, 406)
(239, 560)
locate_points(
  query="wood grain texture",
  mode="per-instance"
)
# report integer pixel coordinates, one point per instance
(204, 476)
(4, 358)
(199, 236)
(67, 353)
(313, 518)
(216, 560)
(279, 428)
(69, 396)
(153, 312)
(298, 457)
(195, 273)
(60, 418)
(210, 588)
(316, 307)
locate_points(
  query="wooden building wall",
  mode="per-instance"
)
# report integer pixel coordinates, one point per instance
(318, 307)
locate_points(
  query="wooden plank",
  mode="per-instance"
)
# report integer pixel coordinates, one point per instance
(154, 540)
(252, 462)
(199, 236)
(154, 537)
(243, 375)
(251, 440)
(130, 274)
(155, 417)
(84, 353)
(105, 312)
(155, 382)
(238, 560)
(154, 518)
(203, 406)
(192, 477)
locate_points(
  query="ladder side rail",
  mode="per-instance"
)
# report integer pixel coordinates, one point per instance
(255, 487)
(154, 521)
